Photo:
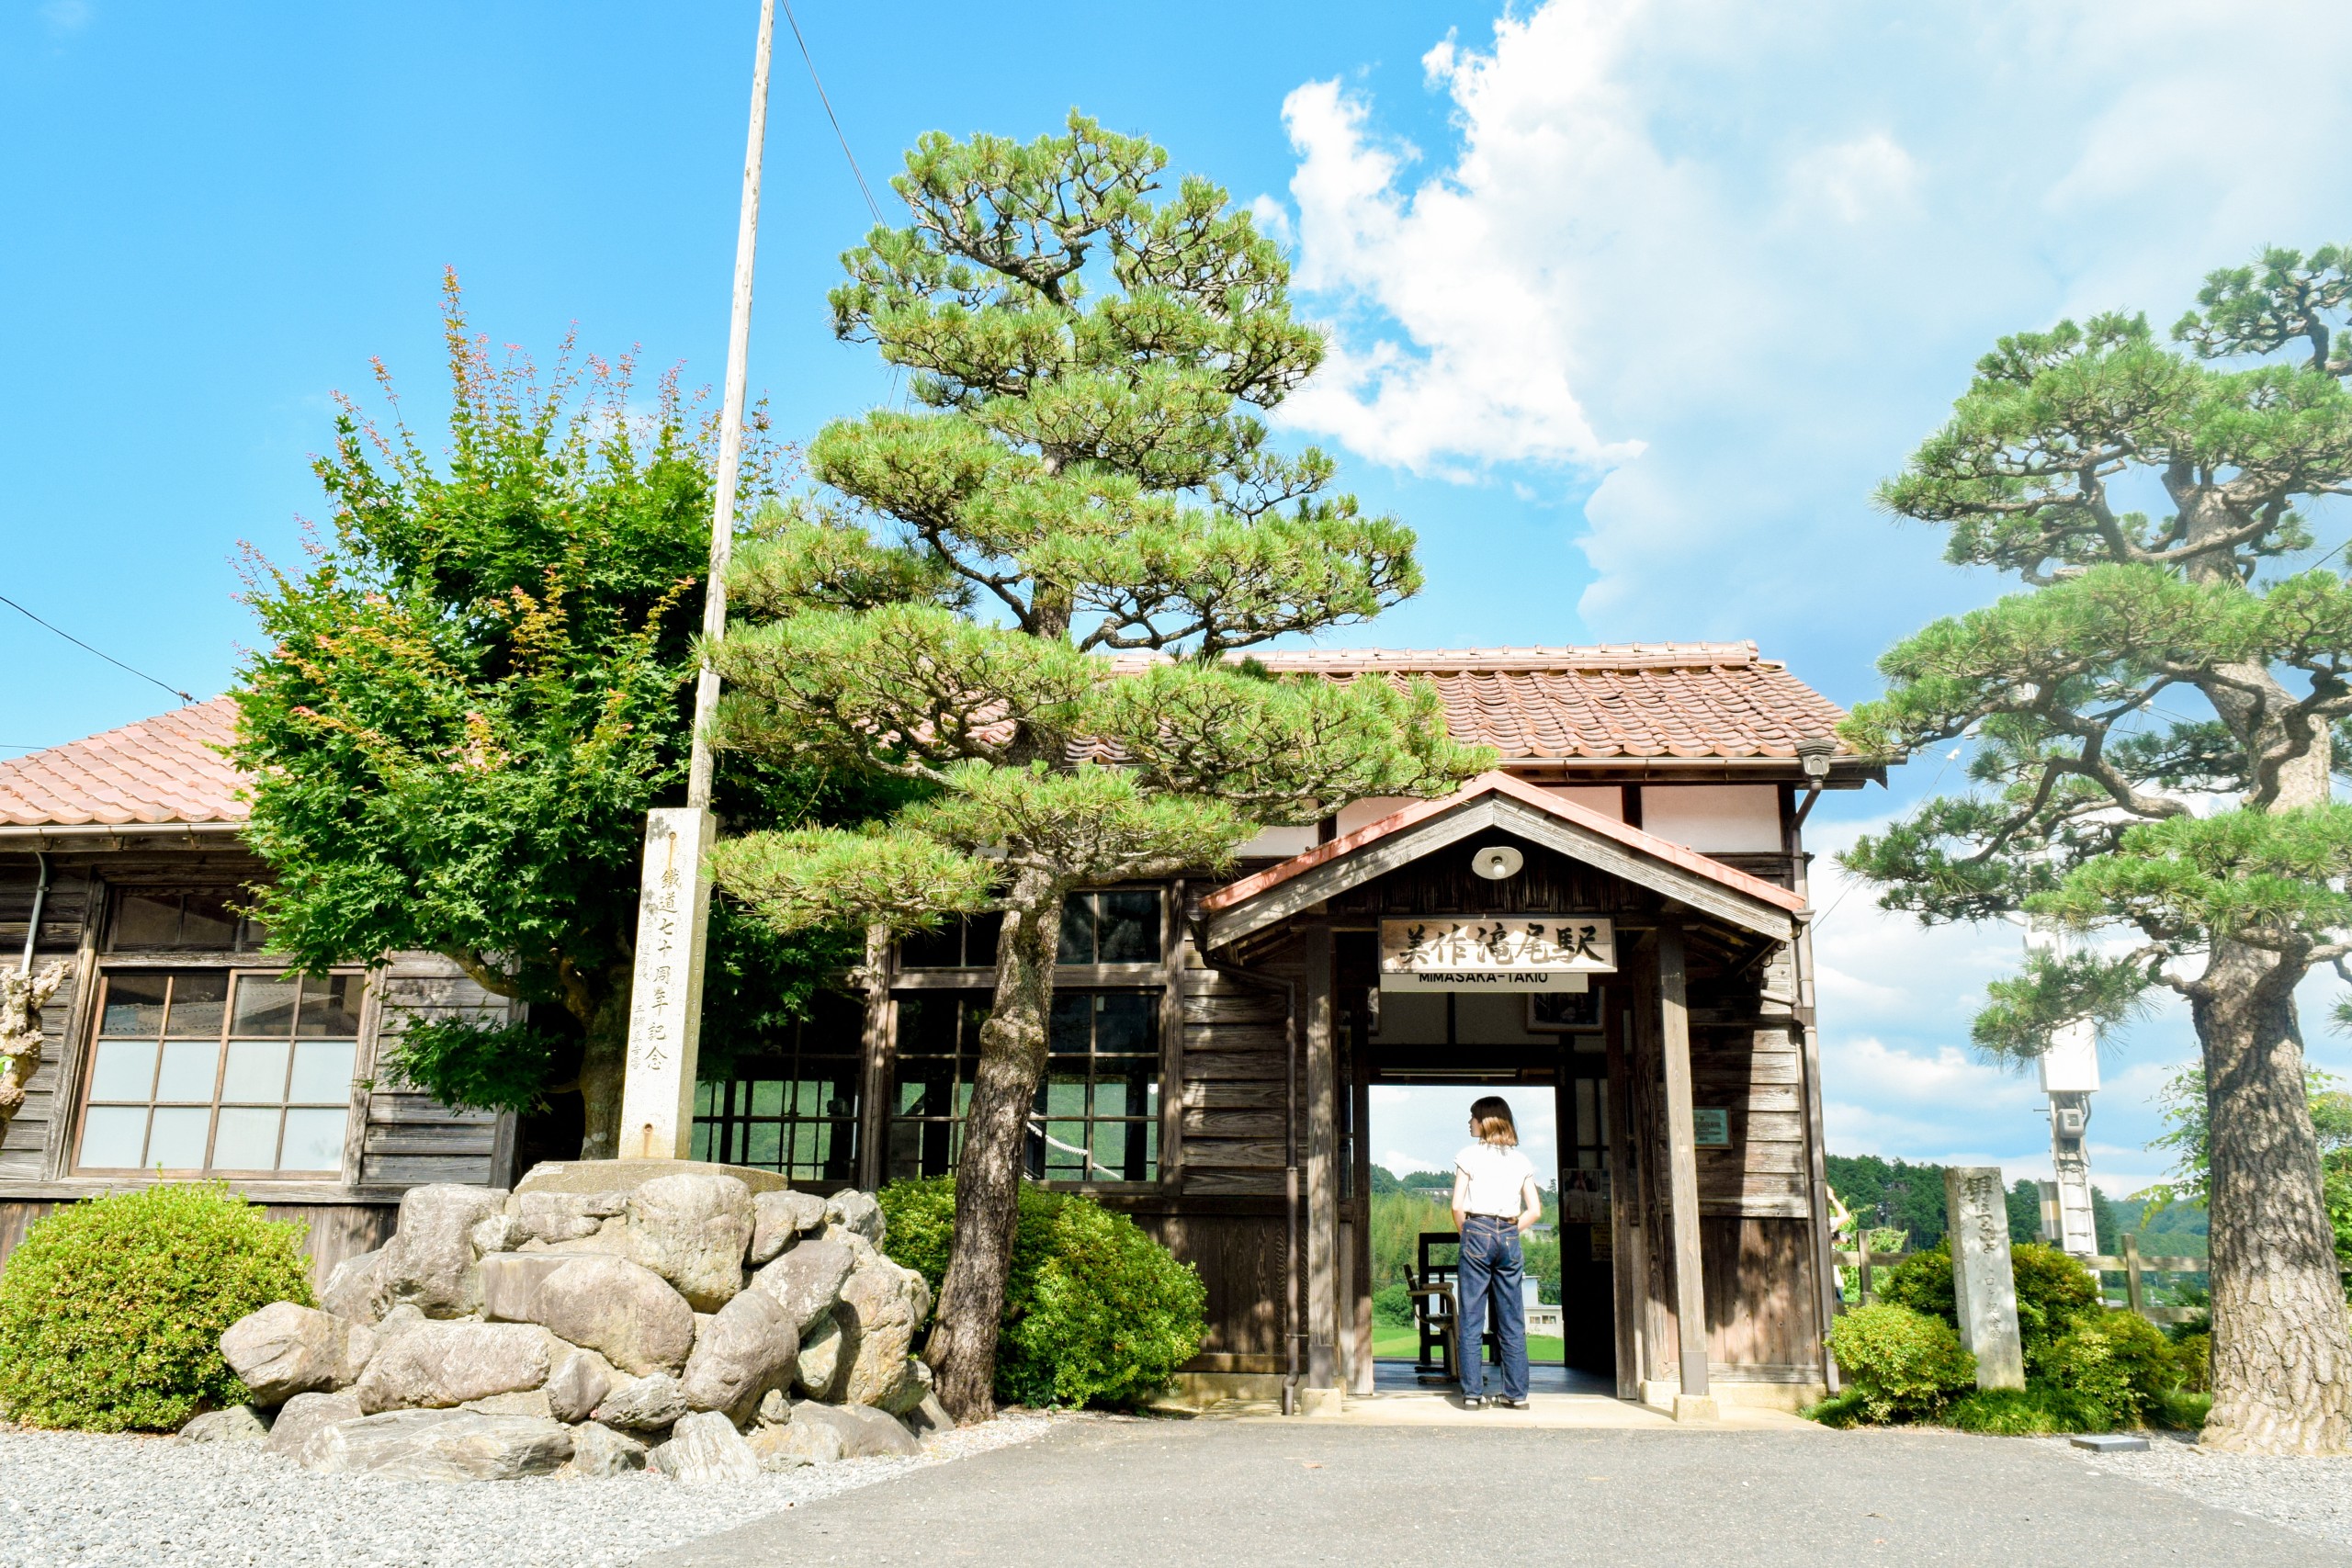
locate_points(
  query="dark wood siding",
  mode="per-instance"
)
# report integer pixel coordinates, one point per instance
(410, 1137)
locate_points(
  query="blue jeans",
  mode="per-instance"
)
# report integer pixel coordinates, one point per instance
(1491, 1266)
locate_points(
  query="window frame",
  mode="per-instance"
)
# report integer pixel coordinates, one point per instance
(726, 1124)
(1139, 974)
(230, 965)
(972, 1002)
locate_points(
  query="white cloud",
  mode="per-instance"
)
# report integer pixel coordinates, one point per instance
(66, 15)
(1726, 263)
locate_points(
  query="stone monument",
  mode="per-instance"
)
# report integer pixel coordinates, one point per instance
(1982, 1288)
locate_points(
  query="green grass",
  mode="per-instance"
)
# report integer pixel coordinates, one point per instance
(1404, 1342)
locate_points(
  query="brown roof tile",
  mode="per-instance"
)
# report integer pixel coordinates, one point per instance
(1612, 700)
(164, 769)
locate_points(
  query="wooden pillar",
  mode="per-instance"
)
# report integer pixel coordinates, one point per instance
(1322, 1164)
(1171, 1041)
(877, 1050)
(1360, 1378)
(1682, 1165)
(1628, 1243)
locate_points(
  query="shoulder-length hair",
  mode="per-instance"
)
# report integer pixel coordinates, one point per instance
(1491, 1115)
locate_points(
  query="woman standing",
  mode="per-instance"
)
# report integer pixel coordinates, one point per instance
(1495, 1202)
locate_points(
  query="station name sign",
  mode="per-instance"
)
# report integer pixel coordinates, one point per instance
(1498, 953)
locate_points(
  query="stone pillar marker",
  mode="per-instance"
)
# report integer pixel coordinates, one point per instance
(1983, 1287)
(665, 994)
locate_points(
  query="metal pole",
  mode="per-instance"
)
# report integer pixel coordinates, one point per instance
(32, 927)
(730, 421)
(674, 901)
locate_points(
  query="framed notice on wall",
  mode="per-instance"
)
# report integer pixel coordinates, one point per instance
(1497, 953)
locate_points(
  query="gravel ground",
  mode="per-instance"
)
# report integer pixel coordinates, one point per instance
(76, 1498)
(2313, 1495)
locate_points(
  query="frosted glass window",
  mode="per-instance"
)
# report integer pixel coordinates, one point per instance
(256, 1071)
(322, 1070)
(125, 1070)
(190, 1067)
(221, 1069)
(114, 1135)
(313, 1138)
(175, 1142)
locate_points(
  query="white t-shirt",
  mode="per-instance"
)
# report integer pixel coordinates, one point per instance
(1496, 1177)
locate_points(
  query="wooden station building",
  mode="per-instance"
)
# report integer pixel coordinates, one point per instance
(1614, 917)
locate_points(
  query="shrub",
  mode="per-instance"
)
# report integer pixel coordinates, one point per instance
(111, 1310)
(2040, 1410)
(1393, 1304)
(1841, 1409)
(2054, 1292)
(1095, 1310)
(1901, 1364)
(2119, 1360)
(2183, 1411)
(2193, 1356)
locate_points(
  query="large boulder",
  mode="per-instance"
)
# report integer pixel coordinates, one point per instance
(562, 1216)
(511, 1281)
(706, 1447)
(692, 1229)
(355, 1288)
(577, 1384)
(884, 1305)
(285, 1349)
(742, 1354)
(858, 1214)
(622, 1310)
(597, 1450)
(817, 1372)
(929, 1418)
(305, 1414)
(779, 1219)
(807, 1280)
(238, 1424)
(430, 1260)
(780, 1447)
(523, 1402)
(440, 1445)
(863, 1432)
(643, 1405)
(449, 1363)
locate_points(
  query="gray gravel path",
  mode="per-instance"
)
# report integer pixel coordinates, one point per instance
(2314, 1495)
(1210, 1493)
(79, 1498)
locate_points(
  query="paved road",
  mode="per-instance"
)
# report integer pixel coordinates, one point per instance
(1174, 1494)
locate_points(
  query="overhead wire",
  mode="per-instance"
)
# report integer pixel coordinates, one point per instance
(86, 647)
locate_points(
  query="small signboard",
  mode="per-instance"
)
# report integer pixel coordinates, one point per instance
(1496, 953)
(1710, 1127)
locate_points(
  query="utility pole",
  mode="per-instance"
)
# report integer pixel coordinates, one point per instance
(674, 898)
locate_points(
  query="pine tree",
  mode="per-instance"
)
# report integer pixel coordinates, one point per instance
(2154, 722)
(1082, 473)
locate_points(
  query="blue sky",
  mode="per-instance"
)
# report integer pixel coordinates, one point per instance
(1633, 302)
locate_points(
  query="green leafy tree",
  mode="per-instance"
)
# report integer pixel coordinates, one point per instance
(1084, 473)
(2154, 720)
(2187, 1138)
(464, 705)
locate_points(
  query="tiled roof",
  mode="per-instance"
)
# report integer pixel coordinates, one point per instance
(160, 771)
(1612, 700)
(1499, 783)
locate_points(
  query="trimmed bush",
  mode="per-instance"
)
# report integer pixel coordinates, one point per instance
(111, 1310)
(2054, 1292)
(1901, 1364)
(1392, 1305)
(2121, 1362)
(2038, 1411)
(1095, 1310)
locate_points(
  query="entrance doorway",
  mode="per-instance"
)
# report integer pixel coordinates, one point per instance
(1422, 1058)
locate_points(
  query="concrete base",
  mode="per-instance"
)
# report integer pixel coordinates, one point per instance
(1198, 1391)
(1323, 1403)
(627, 1175)
(1690, 1407)
(1659, 1393)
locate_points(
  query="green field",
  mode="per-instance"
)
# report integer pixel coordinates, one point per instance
(1388, 1342)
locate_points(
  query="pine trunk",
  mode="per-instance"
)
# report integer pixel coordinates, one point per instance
(962, 1351)
(603, 1060)
(2282, 1346)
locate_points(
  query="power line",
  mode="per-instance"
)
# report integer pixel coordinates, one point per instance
(77, 642)
(864, 189)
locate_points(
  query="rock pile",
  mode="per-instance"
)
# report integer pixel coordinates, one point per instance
(605, 1315)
